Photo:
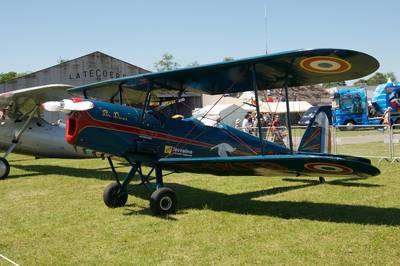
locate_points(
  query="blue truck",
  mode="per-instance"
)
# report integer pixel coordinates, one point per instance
(350, 106)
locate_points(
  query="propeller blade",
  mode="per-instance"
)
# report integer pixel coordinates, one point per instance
(67, 106)
(53, 106)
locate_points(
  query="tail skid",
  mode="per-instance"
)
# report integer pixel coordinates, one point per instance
(318, 137)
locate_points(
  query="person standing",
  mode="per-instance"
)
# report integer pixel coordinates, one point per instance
(246, 124)
(386, 117)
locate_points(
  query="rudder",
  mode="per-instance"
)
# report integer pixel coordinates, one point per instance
(317, 137)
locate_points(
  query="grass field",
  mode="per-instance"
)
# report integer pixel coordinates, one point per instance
(51, 213)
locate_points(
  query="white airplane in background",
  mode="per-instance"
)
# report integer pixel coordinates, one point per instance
(23, 130)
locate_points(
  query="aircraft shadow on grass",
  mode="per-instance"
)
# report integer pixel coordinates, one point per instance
(40, 170)
(246, 203)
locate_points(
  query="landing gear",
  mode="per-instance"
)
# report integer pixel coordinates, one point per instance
(113, 196)
(4, 168)
(322, 180)
(162, 200)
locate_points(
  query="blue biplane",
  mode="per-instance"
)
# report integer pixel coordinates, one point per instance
(135, 118)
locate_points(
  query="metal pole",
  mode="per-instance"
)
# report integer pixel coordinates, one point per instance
(391, 145)
(255, 87)
(334, 139)
(288, 122)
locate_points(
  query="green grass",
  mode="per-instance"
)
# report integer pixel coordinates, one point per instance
(374, 149)
(52, 213)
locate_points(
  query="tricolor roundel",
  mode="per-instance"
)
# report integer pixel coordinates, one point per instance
(325, 65)
(329, 168)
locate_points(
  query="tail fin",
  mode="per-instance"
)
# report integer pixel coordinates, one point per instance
(317, 137)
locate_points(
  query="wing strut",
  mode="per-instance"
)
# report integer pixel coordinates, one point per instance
(18, 134)
(147, 99)
(255, 87)
(288, 122)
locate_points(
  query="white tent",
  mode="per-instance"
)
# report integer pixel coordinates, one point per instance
(247, 96)
(228, 112)
(271, 107)
(280, 107)
(224, 100)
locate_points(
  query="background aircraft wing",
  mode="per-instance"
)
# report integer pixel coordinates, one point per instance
(301, 67)
(24, 100)
(318, 165)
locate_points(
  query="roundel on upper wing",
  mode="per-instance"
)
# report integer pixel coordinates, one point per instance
(330, 168)
(325, 65)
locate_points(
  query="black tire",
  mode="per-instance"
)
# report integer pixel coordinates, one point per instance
(322, 180)
(113, 197)
(4, 168)
(349, 125)
(163, 201)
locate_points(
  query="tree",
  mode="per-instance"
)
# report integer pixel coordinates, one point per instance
(61, 60)
(166, 63)
(6, 76)
(391, 76)
(334, 84)
(376, 79)
(193, 64)
(360, 83)
(228, 58)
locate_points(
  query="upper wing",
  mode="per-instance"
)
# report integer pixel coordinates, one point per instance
(24, 100)
(302, 67)
(320, 165)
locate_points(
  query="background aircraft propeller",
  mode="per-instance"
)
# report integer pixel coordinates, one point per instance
(67, 106)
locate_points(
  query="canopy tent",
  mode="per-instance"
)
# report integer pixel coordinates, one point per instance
(280, 107)
(228, 112)
(212, 99)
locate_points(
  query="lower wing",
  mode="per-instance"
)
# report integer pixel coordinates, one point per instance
(299, 164)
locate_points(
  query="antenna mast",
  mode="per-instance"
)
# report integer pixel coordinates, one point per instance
(266, 29)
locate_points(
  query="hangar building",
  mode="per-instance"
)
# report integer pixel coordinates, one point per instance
(83, 70)
(86, 69)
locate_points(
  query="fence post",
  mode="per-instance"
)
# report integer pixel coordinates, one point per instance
(391, 142)
(334, 139)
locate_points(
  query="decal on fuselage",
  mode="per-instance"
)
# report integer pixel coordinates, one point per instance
(105, 113)
(115, 115)
(171, 150)
(223, 149)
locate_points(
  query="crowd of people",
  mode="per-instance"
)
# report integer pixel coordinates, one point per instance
(271, 126)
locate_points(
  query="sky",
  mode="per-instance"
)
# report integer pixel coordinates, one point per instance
(35, 34)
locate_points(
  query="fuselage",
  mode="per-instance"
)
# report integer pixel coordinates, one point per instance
(39, 139)
(128, 132)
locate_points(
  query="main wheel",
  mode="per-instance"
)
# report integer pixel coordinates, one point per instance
(113, 197)
(4, 168)
(321, 180)
(163, 201)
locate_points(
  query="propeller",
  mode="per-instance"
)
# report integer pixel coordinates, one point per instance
(67, 106)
